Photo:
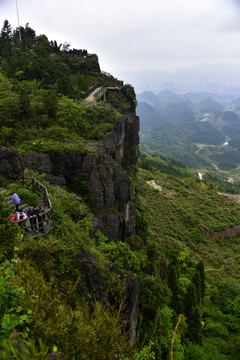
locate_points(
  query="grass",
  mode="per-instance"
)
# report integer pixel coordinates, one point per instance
(176, 215)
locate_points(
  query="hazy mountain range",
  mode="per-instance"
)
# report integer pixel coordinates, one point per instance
(218, 78)
(200, 129)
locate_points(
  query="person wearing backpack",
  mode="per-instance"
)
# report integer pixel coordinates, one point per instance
(15, 200)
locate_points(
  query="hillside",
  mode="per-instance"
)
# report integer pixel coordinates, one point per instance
(135, 241)
(178, 211)
(193, 128)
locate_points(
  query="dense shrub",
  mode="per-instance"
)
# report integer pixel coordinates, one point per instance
(28, 196)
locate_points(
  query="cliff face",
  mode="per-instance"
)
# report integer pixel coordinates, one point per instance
(109, 187)
(110, 195)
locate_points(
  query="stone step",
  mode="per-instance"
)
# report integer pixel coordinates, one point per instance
(23, 206)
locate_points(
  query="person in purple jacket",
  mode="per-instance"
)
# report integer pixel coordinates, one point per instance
(16, 200)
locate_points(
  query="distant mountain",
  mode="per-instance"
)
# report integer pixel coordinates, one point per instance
(150, 118)
(166, 97)
(148, 97)
(198, 97)
(230, 117)
(235, 104)
(175, 112)
(209, 105)
(218, 78)
(232, 130)
(190, 127)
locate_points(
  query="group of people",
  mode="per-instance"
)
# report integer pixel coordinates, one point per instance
(36, 218)
(35, 215)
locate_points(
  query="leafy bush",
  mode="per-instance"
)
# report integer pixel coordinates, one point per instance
(28, 196)
(129, 91)
(87, 121)
(12, 316)
(122, 256)
(3, 182)
(56, 322)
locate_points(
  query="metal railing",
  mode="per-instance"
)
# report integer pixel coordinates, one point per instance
(87, 93)
(102, 90)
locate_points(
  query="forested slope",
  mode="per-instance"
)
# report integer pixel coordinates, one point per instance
(132, 245)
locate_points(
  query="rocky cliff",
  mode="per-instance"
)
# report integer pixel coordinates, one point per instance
(100, 173)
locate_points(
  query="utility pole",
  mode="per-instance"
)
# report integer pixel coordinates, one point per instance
(20, 37)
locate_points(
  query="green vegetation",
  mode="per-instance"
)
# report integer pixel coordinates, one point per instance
(69, 292)
(168, 256)
(176, 216)
(191, 128)
(39, 87)
(165, 165)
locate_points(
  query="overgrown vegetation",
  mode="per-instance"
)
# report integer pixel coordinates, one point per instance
(39, 87)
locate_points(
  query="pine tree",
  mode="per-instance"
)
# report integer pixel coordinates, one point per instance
(6, 39)
(200, 269)
(197, 282)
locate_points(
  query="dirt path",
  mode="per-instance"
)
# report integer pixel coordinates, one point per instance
(223, 265)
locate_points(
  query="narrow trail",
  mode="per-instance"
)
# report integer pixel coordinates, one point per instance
(223, 265)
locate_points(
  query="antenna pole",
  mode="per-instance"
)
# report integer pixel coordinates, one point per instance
(20, 37)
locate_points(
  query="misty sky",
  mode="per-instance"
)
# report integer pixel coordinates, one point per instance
(137, 34)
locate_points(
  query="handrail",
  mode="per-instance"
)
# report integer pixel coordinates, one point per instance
(87, 93)
(40, 190)
(100, 92)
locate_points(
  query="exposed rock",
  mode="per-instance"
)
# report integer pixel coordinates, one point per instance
(55, 356)
(110, 189)
(112, 226)
(10, 163)
(109, 185)
(37, 161)
(96, 223)
(230, 232)
(111, 195)
(131, 308)
(93, 276)
(56, 180)
(66, 163)
(124, 139)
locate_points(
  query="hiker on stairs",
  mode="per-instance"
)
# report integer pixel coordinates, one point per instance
(21, 216)
(39, 217)
(31, 214)
(15, 200)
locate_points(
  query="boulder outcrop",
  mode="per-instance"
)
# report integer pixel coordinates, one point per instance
(109, 187)
(131, 306)
(10, 163)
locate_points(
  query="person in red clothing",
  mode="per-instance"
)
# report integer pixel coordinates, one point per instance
(12, 217)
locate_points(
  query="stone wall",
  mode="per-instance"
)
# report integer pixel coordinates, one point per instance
(231, 232)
